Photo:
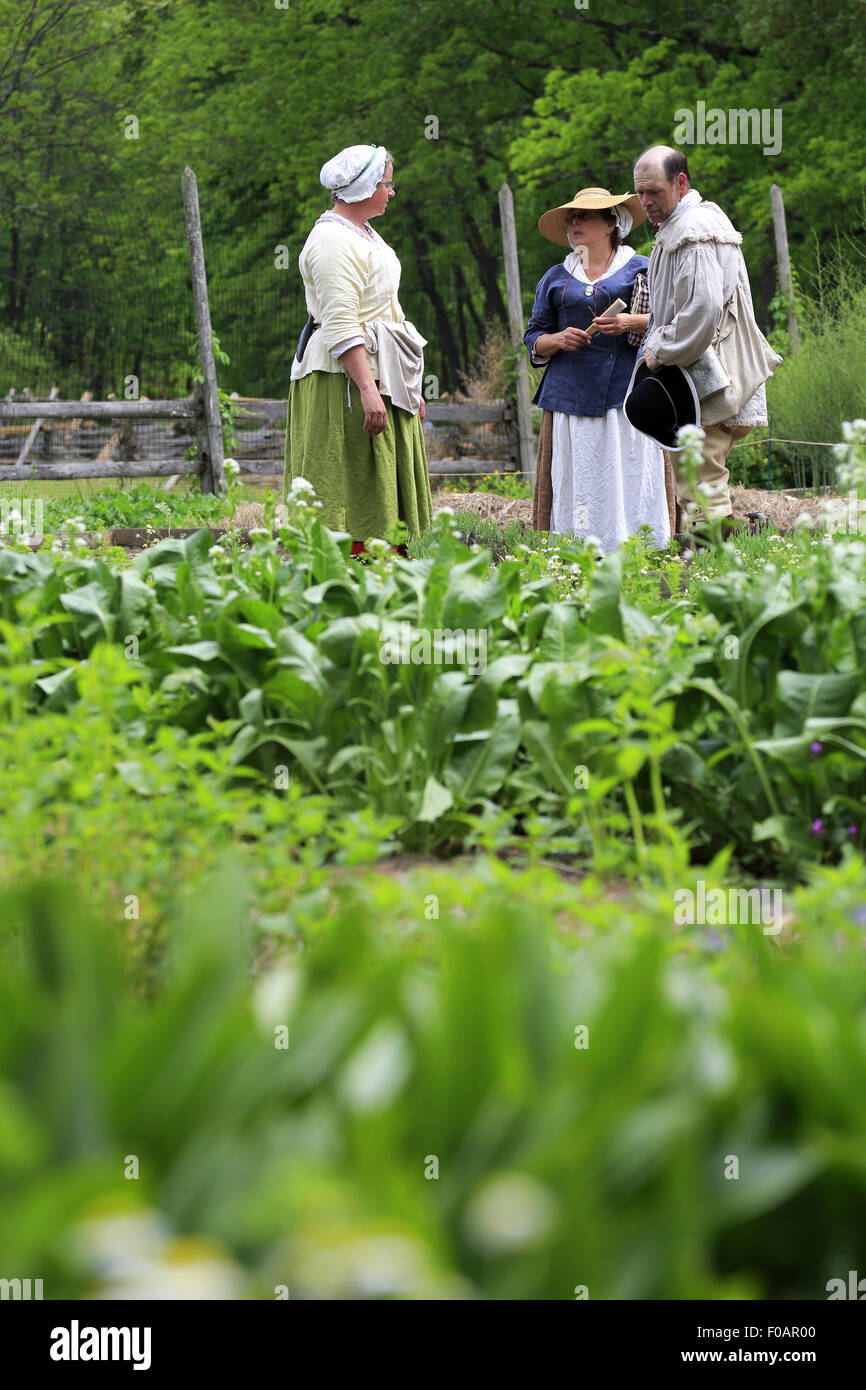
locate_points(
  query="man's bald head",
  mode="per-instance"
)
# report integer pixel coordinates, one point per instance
(662, 159)
(661, 179)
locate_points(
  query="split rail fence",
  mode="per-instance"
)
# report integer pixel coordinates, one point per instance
(200, 413)
(201, 409)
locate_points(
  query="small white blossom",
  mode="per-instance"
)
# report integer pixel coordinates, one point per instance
(690, 436)
(301, 485)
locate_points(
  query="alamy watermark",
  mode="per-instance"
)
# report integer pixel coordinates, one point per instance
(718, 907)
(438, 646)
(736, 126)
(855, 1288)
(23, 1289)
(77, 1343)
(22, 519)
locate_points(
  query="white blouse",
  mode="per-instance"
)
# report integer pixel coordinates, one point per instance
(350, 280)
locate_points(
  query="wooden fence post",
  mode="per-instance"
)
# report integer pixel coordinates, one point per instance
(210, 426)
(526, 441)
(36, 427)
(786, 282)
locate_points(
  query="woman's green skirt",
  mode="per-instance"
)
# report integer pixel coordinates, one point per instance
(365, 482)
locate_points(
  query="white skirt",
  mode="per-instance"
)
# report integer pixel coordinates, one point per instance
(607, 479)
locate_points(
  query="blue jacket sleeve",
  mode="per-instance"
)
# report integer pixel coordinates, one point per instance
(542, 320)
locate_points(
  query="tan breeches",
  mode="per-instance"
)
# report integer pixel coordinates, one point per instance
(713, 470)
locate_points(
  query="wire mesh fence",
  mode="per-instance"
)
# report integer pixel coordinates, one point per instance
(91, 311)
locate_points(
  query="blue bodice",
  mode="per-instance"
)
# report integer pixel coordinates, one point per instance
(594, 379)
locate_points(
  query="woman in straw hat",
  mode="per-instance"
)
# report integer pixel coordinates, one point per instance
(597, 476)
(355, 409)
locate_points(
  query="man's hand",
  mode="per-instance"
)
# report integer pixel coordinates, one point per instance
(652, 363)
(570, 339)
(616, 324)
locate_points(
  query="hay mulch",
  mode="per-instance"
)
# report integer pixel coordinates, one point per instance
(781, 508)
(249, 514)
(487, 505)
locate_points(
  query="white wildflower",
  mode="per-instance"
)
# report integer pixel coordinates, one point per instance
(301, 485)
(690, 436)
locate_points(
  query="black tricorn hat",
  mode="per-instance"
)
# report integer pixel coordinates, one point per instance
(660, 403)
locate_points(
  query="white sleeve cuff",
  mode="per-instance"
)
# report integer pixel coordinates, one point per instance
(339, 348)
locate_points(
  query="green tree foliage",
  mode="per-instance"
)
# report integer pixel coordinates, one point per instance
(93, 267)
(593, 118)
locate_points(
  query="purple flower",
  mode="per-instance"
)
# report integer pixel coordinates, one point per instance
(817, 827)
(816, 749)
(859, 916)
(713, 941)
(853, 830)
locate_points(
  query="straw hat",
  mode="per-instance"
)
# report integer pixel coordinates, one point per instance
(554, 223)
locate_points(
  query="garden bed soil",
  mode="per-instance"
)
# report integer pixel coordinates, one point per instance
(132, 537)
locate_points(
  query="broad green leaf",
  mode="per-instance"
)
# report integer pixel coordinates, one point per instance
(480, 762)
(91, 600)
(604, 600)
(564, 635)
(435, 801)
(200, 651)
(804, 696)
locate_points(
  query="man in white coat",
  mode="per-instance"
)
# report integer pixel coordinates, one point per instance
(702, 320)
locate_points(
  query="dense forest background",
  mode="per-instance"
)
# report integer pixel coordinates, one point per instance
(103, 102)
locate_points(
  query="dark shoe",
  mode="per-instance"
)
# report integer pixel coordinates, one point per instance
(715, 532)
(704, 533)
(730, 526)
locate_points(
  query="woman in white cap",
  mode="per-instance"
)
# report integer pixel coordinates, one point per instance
(596, 476)
(355, 410)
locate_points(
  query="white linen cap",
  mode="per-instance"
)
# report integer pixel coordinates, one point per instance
(624, 219)
(353, 173)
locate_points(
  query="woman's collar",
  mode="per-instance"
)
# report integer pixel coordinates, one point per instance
(574, 264)
(331, 215)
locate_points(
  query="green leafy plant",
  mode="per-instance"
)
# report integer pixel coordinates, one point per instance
(229, 409)
(313, 1128)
